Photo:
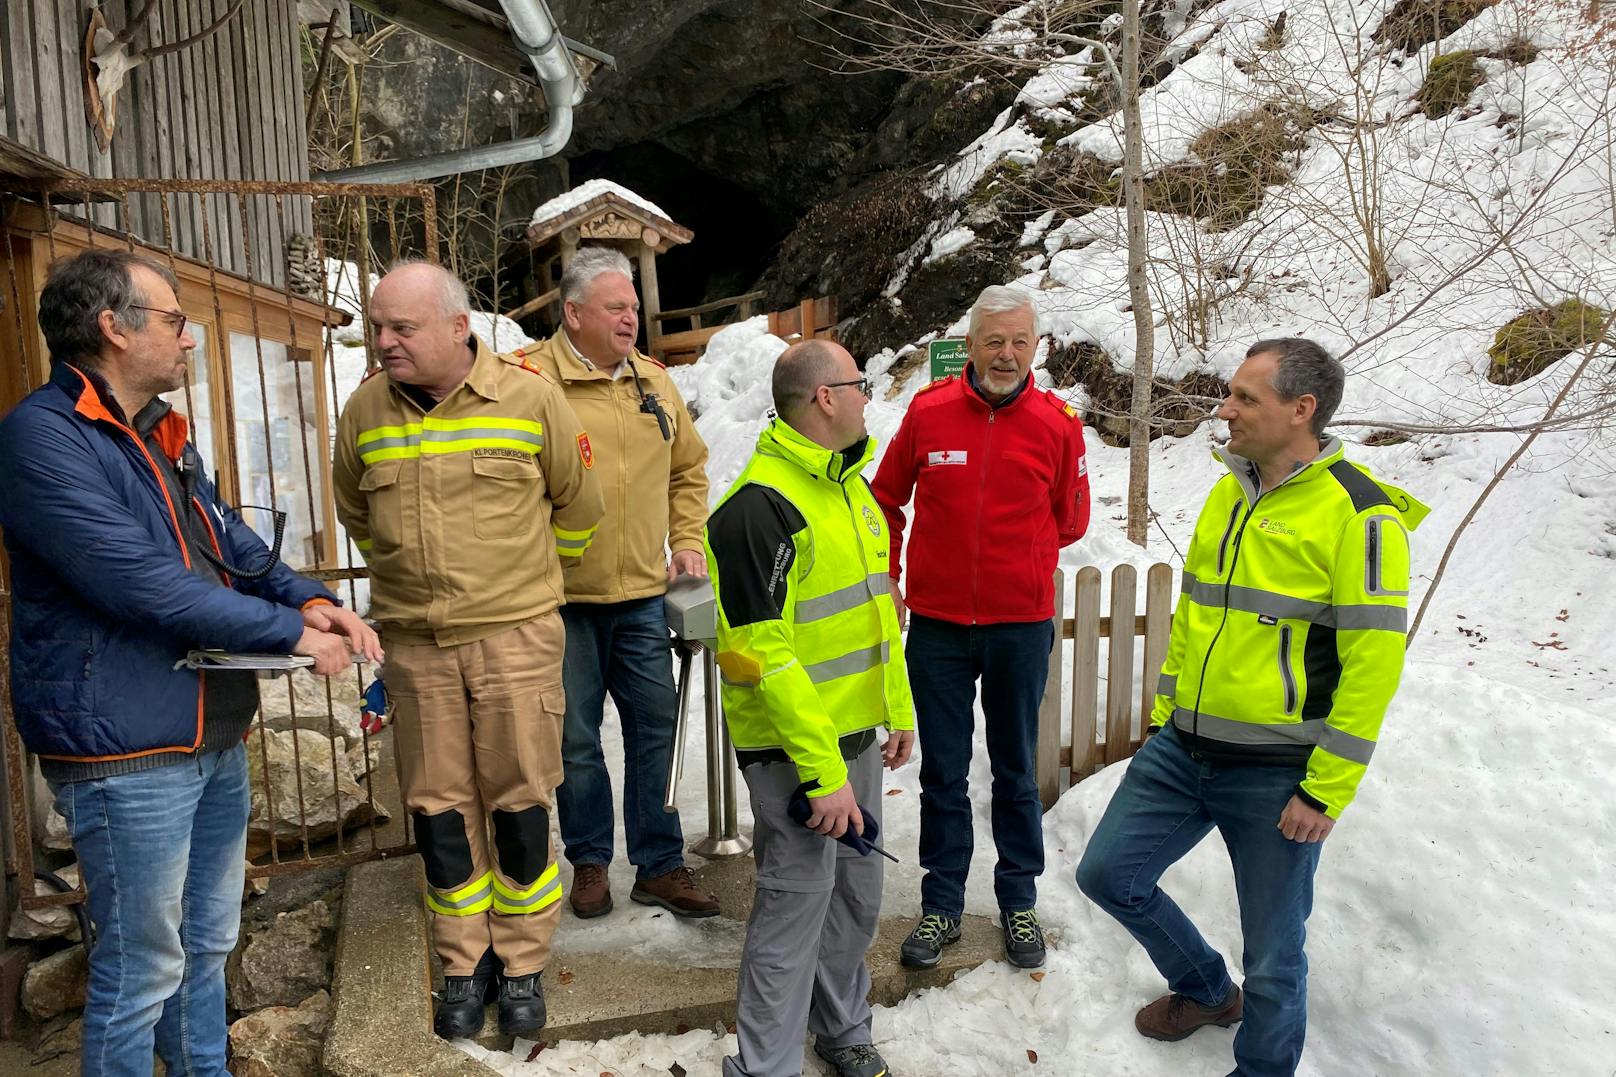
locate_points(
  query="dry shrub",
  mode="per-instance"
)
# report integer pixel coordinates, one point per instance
(1412, 24)
(1236, 164)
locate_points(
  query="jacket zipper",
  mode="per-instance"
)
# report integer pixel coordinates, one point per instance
(1200, 688)
(981, 490)
(1228, 529)
(1285, 673)
(1373, 568)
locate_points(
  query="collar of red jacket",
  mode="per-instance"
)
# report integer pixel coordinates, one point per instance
(974, 394)
(92, 398)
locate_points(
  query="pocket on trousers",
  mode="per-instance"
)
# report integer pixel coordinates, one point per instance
(505, 496)
(553, 701)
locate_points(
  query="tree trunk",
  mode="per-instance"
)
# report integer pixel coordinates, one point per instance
(1133, 188)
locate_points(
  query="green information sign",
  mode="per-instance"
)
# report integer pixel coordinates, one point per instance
(947, 357)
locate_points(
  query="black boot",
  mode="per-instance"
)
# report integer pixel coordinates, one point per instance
(521, 1004)
(461, 1003)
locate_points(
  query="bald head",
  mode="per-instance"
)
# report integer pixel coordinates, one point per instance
(427, 283)
(816, 393)
(421, 317)
(799, 372)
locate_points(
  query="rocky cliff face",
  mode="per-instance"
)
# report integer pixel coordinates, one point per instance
(721, 111)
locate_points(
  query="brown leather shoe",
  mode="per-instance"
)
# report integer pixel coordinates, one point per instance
(591, 892)
(1172, 1017)
(677, 892)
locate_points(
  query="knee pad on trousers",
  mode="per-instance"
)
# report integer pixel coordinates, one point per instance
(441, 838)
(522, 841)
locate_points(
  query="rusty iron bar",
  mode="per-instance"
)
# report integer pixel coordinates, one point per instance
(291, 867)
(312, 188)
(269, 467)
(314, 529)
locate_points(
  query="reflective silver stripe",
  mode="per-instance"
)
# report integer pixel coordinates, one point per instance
(1262, 603)
(1374, 546)
(1390, 618)
(386, 443)
(1232, 732)
(506, 903)
(842, 599)
(482, 893)
(1349, 747)
(578, 545)
(1167, 685)
(1255, 600)
(865, 658)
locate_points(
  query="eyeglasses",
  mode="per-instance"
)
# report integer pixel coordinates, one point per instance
(179, 329)
(862, 383)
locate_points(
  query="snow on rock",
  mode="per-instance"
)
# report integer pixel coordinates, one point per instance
(1464, 906)
(565, 203)
(950, 242)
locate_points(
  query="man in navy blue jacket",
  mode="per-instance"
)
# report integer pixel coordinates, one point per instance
(122, 560)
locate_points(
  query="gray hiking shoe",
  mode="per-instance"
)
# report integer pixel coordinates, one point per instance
(924, 946)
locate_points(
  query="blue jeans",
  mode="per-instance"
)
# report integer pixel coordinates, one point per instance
(945, 660)
(622, 648)
(1166, 804)
(163, 856)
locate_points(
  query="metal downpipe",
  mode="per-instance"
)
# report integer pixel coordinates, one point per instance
(534, 30)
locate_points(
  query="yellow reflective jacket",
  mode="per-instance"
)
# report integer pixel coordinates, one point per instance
(655, 488)
(808, 641)
(1287, 644)
(463, 511)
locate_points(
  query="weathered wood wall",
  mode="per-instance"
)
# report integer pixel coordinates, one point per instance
(230, 107)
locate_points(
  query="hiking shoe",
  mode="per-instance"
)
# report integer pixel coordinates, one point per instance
(521, 1005)
(859, 1060)
(1172, 1017)
(591, 891)
(461, 1002)
(924, 946)
(677, 892)
(1023, 938)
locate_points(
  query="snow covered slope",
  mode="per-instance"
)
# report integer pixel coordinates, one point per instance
(1465, 919)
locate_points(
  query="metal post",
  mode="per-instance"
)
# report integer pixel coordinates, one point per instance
(676, 757)
(724, 837)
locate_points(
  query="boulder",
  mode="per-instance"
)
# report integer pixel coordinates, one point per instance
(309, 693)
(56, 922)
(281, 1041)
(285, 961)
(56, 983)
(332, 800)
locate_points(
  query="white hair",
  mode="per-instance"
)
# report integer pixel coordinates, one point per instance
(589, 263)
(1001, 299)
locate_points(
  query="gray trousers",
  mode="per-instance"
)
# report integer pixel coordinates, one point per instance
(817, 909)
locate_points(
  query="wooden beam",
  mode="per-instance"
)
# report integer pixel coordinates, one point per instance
(533, 305)
(1049, 713)
(708, 308)
(476, 39)
(650, 298)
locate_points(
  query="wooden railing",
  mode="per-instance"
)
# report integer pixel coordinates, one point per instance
(1071, 736)
(810, 318)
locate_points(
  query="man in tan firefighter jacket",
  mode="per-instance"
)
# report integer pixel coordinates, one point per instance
(651, 464)
(462, 476)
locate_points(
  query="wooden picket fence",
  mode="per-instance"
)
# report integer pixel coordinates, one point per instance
(1073, 740)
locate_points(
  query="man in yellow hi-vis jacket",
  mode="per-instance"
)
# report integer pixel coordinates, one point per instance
(1287, 646)
(463, 477)
(812, 666)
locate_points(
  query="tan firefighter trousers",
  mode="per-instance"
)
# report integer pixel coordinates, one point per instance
(477, 732)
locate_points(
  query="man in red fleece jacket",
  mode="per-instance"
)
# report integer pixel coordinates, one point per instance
(1000, 484)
